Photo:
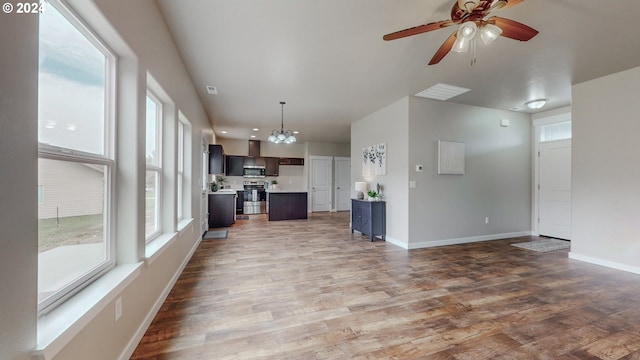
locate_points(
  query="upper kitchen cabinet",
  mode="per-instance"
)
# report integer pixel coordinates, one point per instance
(291, 161)
(272, 166)
(235, 165)
(216, 160)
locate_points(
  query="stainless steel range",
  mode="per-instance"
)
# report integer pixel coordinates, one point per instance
(255, 197)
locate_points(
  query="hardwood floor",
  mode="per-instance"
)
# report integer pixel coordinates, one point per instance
(309, 289)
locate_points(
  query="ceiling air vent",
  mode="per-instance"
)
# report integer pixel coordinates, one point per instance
(442, 92)
(212, 90)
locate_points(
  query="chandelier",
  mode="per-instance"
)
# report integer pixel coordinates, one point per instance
(281, 136)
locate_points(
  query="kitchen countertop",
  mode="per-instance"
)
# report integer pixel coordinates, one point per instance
(284, 191)
(224, 192)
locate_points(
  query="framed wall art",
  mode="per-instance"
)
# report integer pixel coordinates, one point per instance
(374, 160)
(450, 158)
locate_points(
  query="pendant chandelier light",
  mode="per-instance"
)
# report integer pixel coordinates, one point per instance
(282, 137)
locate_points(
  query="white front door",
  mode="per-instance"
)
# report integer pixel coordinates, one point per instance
(343, 183)
(554, 215)
(321, 190)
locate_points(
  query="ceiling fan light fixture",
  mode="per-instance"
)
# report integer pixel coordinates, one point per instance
(489, 32)
(536, 104)
(461, 45)
(467, 30)
(468, 5)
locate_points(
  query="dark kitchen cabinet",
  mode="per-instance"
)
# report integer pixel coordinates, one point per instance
(235, 165)
(216, 160)
(287, 206)
(254, 148)
(291, 161)
(222, 210)
(369, 218)
(272, 166)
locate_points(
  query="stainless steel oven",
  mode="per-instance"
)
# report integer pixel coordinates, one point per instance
(255, 197)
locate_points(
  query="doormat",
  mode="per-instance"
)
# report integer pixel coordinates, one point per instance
(215, 234)
(544, 245)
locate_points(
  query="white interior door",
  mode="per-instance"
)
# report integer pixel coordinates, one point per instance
(321, 189)
(554, 215)
(343, 183)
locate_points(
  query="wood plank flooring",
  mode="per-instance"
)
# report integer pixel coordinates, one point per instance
(309, 289)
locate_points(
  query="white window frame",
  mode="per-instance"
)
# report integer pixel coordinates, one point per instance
(157, 168)
(46, 151)
(180, 173)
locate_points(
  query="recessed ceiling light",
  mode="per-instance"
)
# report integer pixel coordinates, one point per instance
(256, 129)
(212, 90)
(442, 92)
(296, 132)
(223, 132)
(253, 136)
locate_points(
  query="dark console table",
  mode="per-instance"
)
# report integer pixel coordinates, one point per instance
(369, 218)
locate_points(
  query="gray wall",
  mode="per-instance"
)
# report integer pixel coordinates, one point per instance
(497, 180)
(606, 171)
(449, 209)
(389, 125)
(18, 184)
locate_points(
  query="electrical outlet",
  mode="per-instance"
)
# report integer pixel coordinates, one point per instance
(486, 220)
(118, 308)
(412, 184)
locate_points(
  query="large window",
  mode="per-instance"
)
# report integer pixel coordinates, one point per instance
(153, 185)
(75, 128)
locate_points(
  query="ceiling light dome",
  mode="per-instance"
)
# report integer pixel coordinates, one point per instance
(536, 104)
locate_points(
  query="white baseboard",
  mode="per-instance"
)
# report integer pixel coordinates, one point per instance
(133, 343)
(396, 242)
(428, 244)
(605, 263)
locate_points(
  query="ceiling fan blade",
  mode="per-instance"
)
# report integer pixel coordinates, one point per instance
(513, 29)
(444, 49)
(418, 30)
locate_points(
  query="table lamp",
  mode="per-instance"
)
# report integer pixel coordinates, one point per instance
(361, 188)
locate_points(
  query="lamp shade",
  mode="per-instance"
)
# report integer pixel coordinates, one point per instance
(489, 33)
(361, 186)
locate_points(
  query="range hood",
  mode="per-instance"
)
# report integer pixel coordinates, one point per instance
(254, 148)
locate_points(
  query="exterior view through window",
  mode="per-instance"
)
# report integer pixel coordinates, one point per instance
(75, 156)
(154, 170)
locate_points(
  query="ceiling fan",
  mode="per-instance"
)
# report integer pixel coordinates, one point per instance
(473, 17)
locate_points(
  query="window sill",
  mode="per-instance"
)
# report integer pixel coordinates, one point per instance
(157, 246)
(57, 328)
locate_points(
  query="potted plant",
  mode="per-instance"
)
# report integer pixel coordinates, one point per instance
(274, 184)
(220, 180)
(373, 195)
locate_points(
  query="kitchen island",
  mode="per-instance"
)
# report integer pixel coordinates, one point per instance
(286, 205)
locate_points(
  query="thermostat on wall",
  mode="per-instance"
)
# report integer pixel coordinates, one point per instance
(419, 168)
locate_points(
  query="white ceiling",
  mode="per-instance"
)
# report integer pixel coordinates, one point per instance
(327, 59)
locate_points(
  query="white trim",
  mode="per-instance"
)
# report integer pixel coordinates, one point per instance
(605, 263)
(57, 328)
(396, 242)
(428, 244)
(135, 339)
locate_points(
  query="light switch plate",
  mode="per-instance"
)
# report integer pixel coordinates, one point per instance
(412, 184)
